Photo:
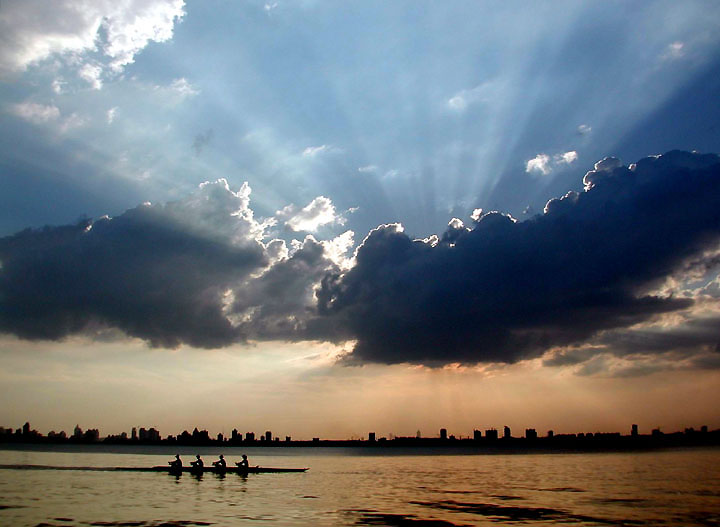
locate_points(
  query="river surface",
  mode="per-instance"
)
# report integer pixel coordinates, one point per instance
(352, 487)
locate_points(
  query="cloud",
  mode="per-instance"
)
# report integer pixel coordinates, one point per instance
(465, 98)
(543, 164)
(584, 129)
(74, 120)
(320, 211)
(476, 214)
(674, 51)
(315, 151)
(36, 113)
(183, 88)
(368, 168)
(540, 164)
(92, 73)
(34, 30)
(278, 304)
(587, 279)
(156, 272)
(566, 158)
(196, 271)
(505, 291)
(42, 114)
(111, 114)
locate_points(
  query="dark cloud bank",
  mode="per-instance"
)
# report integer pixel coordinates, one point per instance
(501, 291)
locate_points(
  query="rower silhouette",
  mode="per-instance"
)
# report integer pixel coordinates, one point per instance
(220, 463)
(176, 464)
(243, 465)
(198, 463)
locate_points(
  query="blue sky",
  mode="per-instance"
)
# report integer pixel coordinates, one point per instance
(417, 112)
(317, 123)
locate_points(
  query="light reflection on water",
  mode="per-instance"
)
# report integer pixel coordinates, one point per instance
(343, 488)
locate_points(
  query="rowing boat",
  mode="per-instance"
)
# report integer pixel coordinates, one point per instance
(217, 470)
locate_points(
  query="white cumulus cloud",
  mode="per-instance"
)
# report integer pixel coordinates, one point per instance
(34, 30)
(543, 164)
(567, 157)
(314, 215)
(540, 164)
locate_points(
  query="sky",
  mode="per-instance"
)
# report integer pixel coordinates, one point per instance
(325, 219)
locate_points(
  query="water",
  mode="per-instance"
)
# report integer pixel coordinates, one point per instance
(344, 488)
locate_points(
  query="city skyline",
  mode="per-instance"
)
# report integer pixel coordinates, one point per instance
(329, 218)
(142, 435)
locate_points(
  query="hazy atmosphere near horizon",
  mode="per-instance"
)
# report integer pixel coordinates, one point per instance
(327, 219)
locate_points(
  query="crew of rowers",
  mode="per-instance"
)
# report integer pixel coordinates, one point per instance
(220, 464)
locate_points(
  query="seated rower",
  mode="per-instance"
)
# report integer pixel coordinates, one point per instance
(176, 463)
(243, 465)
(220, 463)
(198, 463)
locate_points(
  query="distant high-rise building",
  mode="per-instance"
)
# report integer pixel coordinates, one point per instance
(268, 435)
(134, 435)
(530, 433)
(491, 433)
(78, 432)
(443, 433)
(92, 434)
(506, 432)
(634, 430)
(26, 429)
(371, 437)
(550, 433)
(418, 435)
(288, 439)
(250, 437)
(477, 435)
